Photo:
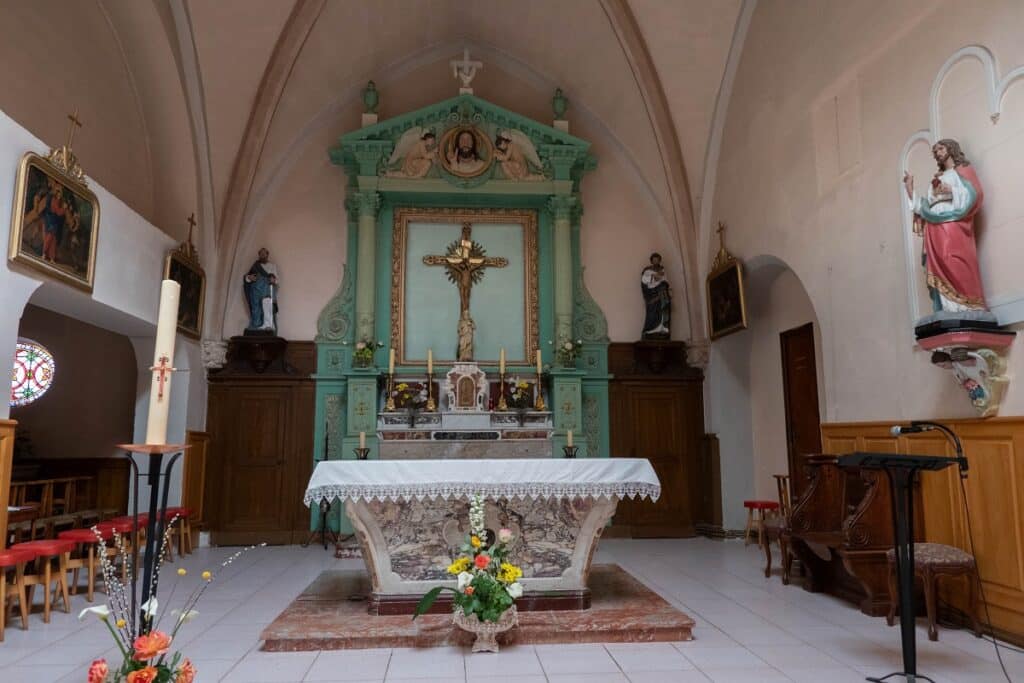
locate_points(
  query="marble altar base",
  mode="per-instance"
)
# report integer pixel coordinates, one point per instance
(331, 615)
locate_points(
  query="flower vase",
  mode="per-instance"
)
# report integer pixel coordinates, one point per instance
(486, 631)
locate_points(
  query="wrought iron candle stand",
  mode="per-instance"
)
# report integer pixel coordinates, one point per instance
(570, 451)
(502, 404)
(156, 525)
(361, 453)
(325, 505)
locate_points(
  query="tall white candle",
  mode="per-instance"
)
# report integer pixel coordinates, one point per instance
(391, 361)
(362, 439)
(540, 369)
(430, 361)
(501, 361)
(569, 438)
(160, 393)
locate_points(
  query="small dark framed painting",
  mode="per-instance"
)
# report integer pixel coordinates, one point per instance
(727, 308)
(184, 269)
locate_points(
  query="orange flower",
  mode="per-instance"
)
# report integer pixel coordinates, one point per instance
(469, 590)
(147, 675)
(151, 645)
(482, 561)
(186, 674)
(98, 671)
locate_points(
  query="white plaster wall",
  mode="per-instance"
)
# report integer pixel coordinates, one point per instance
(825, 98)
(299, 214)
(129, 266)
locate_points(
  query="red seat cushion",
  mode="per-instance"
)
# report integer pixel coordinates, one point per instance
(46, 548)
(143, 520)
(179, 511)
(11, 558)
(761, 504)
(85, 535)
(125, 527)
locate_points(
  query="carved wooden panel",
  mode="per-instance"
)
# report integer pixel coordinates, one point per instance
(193, 478)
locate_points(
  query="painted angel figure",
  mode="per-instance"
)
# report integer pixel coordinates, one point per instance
(517, 155)
(417, 150)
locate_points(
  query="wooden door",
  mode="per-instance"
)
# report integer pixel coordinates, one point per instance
(800, 390)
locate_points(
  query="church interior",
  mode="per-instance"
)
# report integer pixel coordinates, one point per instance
(587, 341)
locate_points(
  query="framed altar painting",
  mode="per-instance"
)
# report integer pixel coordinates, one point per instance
(54, 224)
(187, 272)
(727, 308)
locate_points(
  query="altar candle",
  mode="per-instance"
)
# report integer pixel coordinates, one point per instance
(501, 362)
(539, 368)
(569, 435)
(362, 439)
(391, 361)
(166, 327)
(430, 361)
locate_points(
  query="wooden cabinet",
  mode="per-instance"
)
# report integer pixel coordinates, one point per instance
(260, 455)
(657, 413)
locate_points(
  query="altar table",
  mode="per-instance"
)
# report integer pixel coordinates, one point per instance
(411, 516)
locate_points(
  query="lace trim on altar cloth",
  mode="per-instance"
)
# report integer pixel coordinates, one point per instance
(454, 490)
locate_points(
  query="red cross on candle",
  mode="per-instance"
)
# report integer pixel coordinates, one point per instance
(163, 368)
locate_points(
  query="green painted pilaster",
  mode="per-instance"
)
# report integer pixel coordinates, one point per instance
(561, 208)
(567, 410)
(367, 204)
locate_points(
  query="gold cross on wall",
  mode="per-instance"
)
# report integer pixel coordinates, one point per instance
(75, 123)
(465, 263)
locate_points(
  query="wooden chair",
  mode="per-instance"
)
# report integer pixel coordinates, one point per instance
(15, 561)
(184, 529)
(757, 514)
(87, 543)
(931, 562)
(777, 529)
(47, 553)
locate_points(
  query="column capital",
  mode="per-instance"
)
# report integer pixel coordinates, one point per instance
(562, 206)
(363, 203)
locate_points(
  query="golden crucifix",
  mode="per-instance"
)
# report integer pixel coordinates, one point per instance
(465, 263)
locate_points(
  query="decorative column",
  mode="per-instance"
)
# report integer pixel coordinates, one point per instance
(561, 207)
(366, 204)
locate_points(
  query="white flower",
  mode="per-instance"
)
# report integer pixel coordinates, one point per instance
(101, 612)
(149, 607)
(360, 346)
(515, 590)
(184, 617)
(465, 578)
(567, 346)
(505, 535)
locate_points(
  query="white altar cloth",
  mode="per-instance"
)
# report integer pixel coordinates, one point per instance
(493, 479)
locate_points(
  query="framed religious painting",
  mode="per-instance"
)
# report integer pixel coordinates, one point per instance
(727, 308)
(466, 152)
(182, 266)
(54, 224)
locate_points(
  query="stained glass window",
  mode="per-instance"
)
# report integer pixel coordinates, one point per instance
(32, 374)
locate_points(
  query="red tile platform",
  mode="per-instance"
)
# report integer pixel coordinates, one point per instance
(331, 615)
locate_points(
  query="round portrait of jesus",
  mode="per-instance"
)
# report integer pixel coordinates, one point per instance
(466, 152)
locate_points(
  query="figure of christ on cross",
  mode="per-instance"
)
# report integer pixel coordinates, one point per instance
(465, 263)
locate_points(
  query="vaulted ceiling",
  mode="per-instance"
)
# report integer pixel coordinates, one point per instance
(193, 105)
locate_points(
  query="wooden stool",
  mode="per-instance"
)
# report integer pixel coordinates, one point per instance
(125, 527)
(756, 515)
(14, 559)
(86, 541)
(46, 552)
(777, 529)
(931, 561)
(184, 528)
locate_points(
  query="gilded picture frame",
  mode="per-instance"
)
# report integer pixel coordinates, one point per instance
(54, 223)
(526, 217)
(183, 268)
(482, 149)
(726, 301)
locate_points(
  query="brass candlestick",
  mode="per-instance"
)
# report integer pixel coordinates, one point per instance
(431, 406)
(538, 403)
(502, 404)
(361, 453)
(570, 451)
(389, 404)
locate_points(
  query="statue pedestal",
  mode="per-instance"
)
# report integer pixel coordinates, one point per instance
(257, 353)
(976, 358)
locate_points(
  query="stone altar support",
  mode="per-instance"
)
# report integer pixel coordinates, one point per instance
(410, 517)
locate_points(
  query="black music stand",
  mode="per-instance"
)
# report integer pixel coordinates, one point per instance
(902, 470)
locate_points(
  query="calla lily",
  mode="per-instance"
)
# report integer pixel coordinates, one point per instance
(184, 617)
(465, 578)
(515, 590)
(149, 607)
(101, 612)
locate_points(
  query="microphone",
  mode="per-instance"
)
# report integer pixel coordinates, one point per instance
(896, 430)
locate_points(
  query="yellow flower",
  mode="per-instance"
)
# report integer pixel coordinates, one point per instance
(181, 571)
(120, 623)
(458, 566)
(509, 573)
(207, 575)
(475, 541)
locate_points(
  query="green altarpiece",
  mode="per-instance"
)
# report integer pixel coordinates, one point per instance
(378, 187)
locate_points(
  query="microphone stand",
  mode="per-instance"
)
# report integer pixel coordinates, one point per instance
(961, 460)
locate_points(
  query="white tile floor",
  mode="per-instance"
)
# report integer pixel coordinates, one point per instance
(749, 629)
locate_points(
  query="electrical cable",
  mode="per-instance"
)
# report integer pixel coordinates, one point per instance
(981, 584)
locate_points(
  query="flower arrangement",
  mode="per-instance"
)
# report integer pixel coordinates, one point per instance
(145, 648)
(487, 584)
(520, 394)
(362, 356)
(410, 395)
(567, 352)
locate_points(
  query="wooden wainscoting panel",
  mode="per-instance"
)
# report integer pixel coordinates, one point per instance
(6, 462)
(995, 494)
(193, 480)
